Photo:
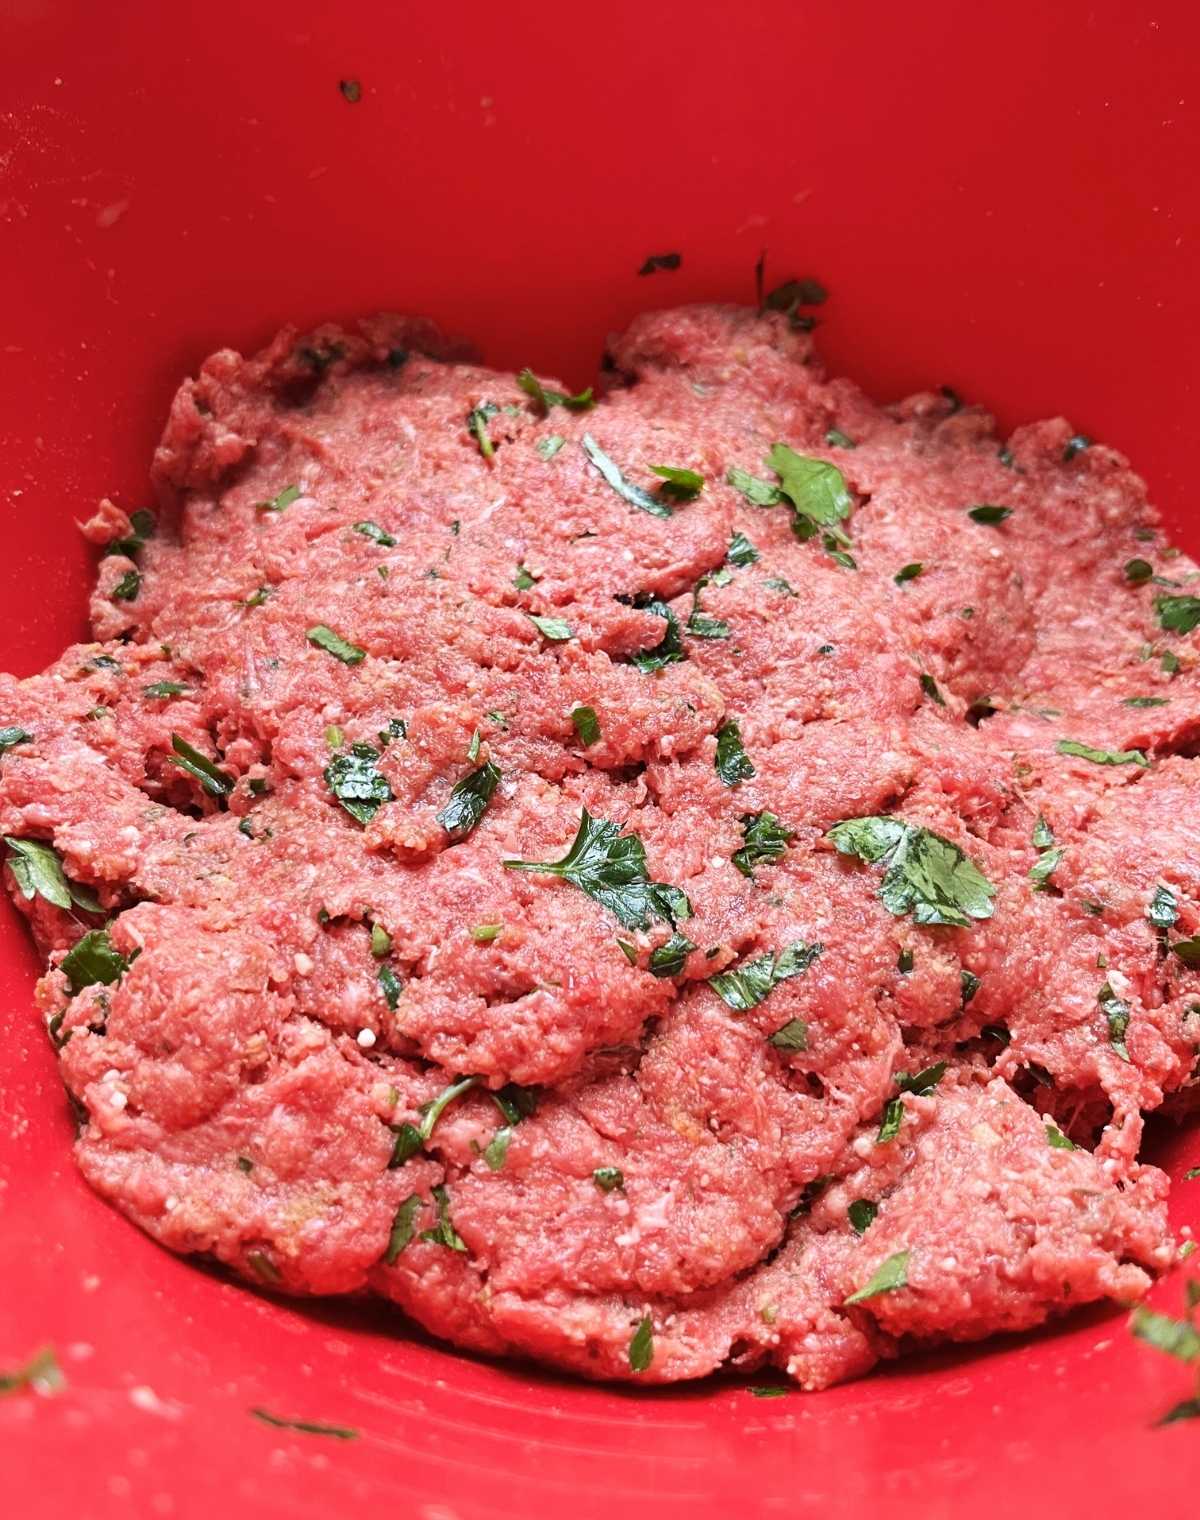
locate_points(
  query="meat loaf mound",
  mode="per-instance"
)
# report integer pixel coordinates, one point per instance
(705, 876)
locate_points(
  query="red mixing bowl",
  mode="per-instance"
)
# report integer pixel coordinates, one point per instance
(1000, 198)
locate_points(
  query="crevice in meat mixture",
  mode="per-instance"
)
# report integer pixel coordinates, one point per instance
(697, 876)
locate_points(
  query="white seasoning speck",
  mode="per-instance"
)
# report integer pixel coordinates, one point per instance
(366, 1038)
(303, 963)
(118, 1099)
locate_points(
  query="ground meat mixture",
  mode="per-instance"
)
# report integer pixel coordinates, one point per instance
(698, 876)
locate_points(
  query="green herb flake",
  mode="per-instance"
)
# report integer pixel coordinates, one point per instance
(262, 1266)
(732, 763)
(468, 801)
(1045, 865)
(546, 396)
(1043, 834)
(611, 868)
(634, 495)
(652, 265)
(376, 534)
(333, 643)
(766, 839)
(923, 1082)
(1176, 614)
(1075, 445)
(38, 871)
(1146, 702)
(381, 942)
(608, 1178)
(477, 426)
(767, 1391)
(551, 628)
(444, 1233)
(1177, 1337)
(41, 1374)
(669, 648)
(286, 497)
(905, 961)
(1057, 1140)
(12, 736)
(484, 934)
(747, 986)
(127, 588)
(701, 626)
(669, 959)
(1117, 1013)
(887, 1277)
(1188, 950)
(890, 1122)
(1138, 571)
(549, 446)
(924, 874)
(741, 551)
(1163, 910)
(987, 513)
(308, 1427)
(358, 783)
(861, 1215)
(161, 690)
(525, 580)
(495, 1153)
(777, 583)
(641, 1346)
(816, 490)
(410, 1138)
(908, 572)
(403, 1227)
(683, 485)
(351, 91)
(91, 960)
(1101, 756)
(586, 725)
(759, 493)
(836, 439)
(391, 986)
(930, 687)
(790, 1036)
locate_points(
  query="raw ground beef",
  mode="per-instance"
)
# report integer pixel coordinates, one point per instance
(297, 940)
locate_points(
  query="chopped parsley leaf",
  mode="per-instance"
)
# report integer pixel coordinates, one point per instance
(908, 572)
(333, 643)
(681, 484)
(669, 958)
(546, 396)
(38, 872)
(216, 782)
(836, 439)
(987, 513)
(634, 495)
(351, 90)
(586, 725)
(1177, 1337)
(611, 868)
(41, 1373)
(701, 626)
(741, 551)
(160, 690)
(930, 687)
(1045, 865)
(668, 649)
(525, 580)
(391, 986)
(310, 1427)
(381, 942)
(747, 986)
(127, 587)
(1076, 445)
(923, 1082)
(816, 490)
(1176, 614)
(484, 934)
(767, 1391)
(890, 1121)
(1145, 702)
(549, 446)
(1043, 834)
(468, 801)
(286, 497)
(887, 1277)
(444, 1233)
(861, 1215)
(1101, 756)
(357, 782)
(970, 986)
(375, 533)
(777, 583)
(790, 1036)
(641, 1346)
(732, 763)
(410, 1138)
(1163, 910)
(1138, 571)
(607, 1178)
(1188, 950)
(93, 960)
(905, 961)
(551, 628)
(766, 839)
(1057, 1140)
(1116, 1012)
(9, 737)
(477, 426)
(924, 874)
(403, 1227)
(759, 493)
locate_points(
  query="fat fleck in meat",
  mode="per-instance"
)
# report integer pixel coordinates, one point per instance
(830, 1030)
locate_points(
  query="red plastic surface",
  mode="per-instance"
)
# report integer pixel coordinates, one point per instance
(1003, 198)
